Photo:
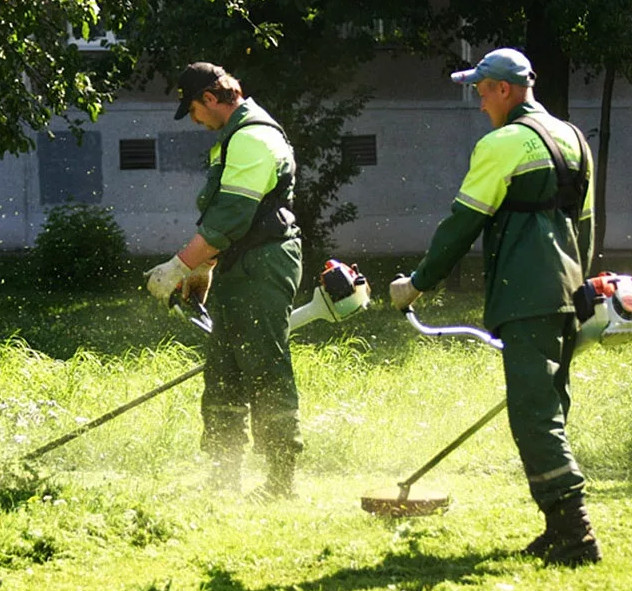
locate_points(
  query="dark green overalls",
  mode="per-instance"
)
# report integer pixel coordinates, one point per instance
(534, 260)
(248, 372)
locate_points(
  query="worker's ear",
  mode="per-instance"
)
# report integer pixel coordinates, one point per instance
(208, 98)
(505, 88)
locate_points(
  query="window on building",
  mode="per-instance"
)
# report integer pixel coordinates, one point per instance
(69, 171)
(137, 154)
(360, 149)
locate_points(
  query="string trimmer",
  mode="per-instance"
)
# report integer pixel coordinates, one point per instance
(342, 292)
(604, 307)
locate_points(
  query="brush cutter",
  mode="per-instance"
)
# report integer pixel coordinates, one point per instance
(604, 308)
(343, 292)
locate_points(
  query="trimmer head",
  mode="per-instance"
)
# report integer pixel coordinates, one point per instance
(394, 502)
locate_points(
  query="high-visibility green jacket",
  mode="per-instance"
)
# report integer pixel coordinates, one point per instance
(256, 158)
(533, 261)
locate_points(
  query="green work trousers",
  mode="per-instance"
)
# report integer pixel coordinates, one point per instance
(537, 354)
(248, 373)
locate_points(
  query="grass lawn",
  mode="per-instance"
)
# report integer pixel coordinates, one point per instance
(128, 506)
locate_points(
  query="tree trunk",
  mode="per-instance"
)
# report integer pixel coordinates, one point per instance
(602, 165)
(548, 61)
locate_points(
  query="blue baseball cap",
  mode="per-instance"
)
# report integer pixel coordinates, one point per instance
(501, 64)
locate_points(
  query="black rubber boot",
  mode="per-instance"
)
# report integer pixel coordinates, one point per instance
(280, 480)
(540, 546)
(569, 538)
(226, 462)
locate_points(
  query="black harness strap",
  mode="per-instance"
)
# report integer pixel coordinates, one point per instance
(247, 123)
(571, 186)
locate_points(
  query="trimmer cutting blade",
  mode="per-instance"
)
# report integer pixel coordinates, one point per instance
(395, 502)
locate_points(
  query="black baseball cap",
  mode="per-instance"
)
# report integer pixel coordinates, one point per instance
(193, 81)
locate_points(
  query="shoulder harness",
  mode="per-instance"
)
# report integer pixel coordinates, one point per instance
(571, 186)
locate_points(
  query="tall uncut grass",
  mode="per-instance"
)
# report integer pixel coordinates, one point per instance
(364, 407)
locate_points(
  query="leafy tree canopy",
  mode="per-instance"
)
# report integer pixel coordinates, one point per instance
(43, 75)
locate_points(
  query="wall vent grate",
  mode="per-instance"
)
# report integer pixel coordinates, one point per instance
(360, 149)
(137, 154)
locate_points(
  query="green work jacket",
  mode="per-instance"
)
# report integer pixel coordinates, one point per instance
(533, 261)
(257, 156)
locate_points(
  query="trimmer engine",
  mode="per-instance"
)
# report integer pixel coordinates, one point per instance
(342, 292)
(604, 307)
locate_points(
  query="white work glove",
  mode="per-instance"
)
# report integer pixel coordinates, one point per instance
(403, 293)
(199, 281)
(165, 278)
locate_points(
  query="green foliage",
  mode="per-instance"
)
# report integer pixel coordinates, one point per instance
(154, 586)
(80, 247)
(19, 483)
(42, 75)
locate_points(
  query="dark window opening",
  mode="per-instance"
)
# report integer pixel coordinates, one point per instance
(360, 149)
(137, 154)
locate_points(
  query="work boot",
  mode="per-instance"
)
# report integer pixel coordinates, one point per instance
(540, 546)
(568, 538)
(574, 541)
(280, 480)
(279, 483)
(226, 470)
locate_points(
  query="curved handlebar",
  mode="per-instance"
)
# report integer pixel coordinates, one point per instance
(453, 330)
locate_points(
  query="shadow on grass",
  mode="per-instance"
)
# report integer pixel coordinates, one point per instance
(413, 570)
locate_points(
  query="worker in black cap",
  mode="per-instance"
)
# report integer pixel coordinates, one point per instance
(248, 243)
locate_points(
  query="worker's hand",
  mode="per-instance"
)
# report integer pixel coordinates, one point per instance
(403, 293)
(198, 282)
(164, 278)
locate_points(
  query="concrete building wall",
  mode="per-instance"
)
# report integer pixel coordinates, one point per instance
(425, 128)
(423, 154)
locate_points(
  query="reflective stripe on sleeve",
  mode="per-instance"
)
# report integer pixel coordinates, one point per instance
(243, 191)
(476, 204)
